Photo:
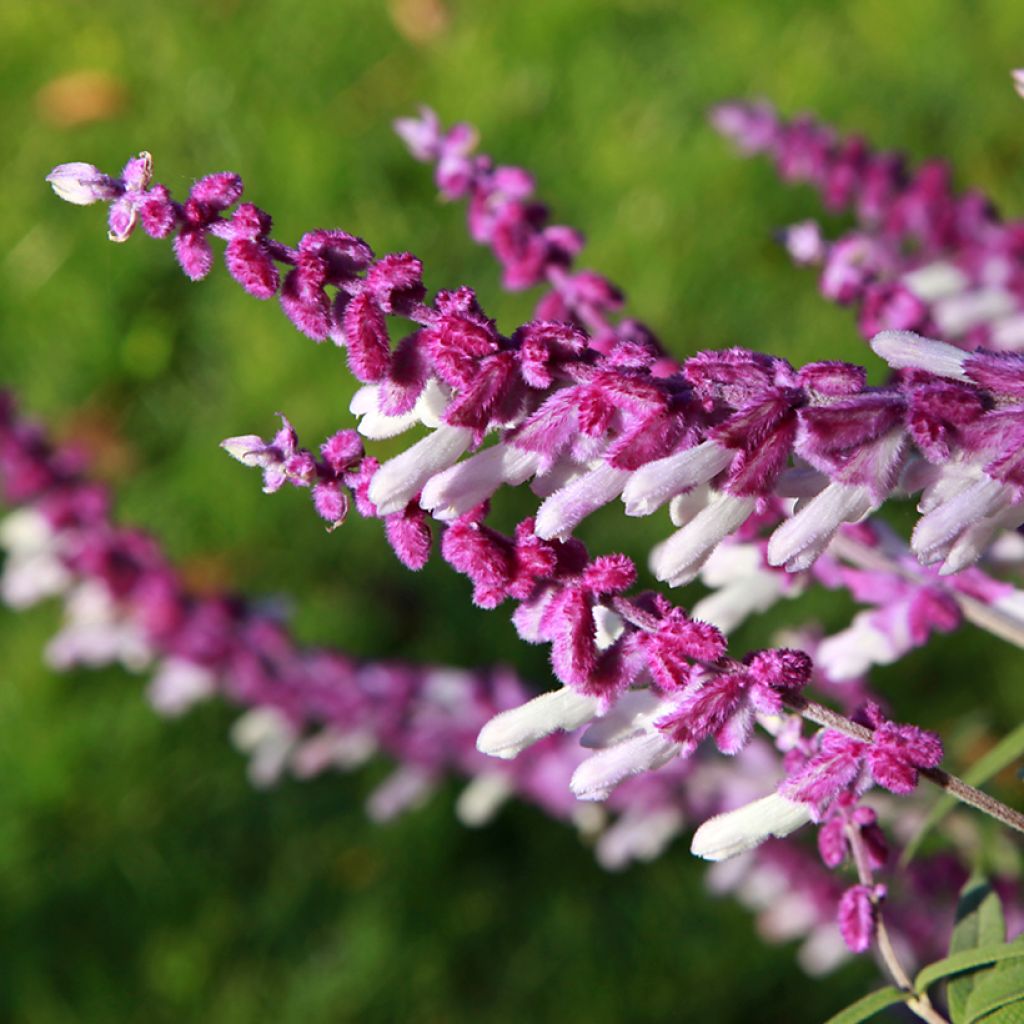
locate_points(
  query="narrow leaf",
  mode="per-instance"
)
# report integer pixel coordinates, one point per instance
(998, 990)
(1012, 1013)
(979, 922)
(1005, 752)
(998, 987)
(867, 1007)
(969, 960)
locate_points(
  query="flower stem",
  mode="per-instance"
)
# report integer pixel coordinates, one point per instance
(918, 1003)
(965, 793)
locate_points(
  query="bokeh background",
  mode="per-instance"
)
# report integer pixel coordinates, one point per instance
(141, 878)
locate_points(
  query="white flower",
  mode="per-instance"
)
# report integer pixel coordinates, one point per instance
(678, 560)
(512, 731)
(907, 350)
(400, 479)
(726, 835)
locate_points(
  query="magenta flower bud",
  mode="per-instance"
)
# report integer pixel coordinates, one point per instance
(83, 184)
(247, 257)
(542, 346)
(513, 182)
(832, 842)
(218, 191)
(157, 212)
(194, 254)
(342, 449)
(609, 574)
(857, 917)
(897, 752)
(408, 533)
(138, 172)
(304, 300)
(343, 255)
(331, 502)
(366, 339)
(753, 127)
(834, 379)
(784, 668)
(396, 282)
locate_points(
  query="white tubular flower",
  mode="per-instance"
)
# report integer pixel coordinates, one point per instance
(482, 799)
(936, 281)
(178, 684)
(465, 485)
(33, 570)
(405, 789)
(638, 835)
(96, 632)
(683, 507)
(330, 748)
(629, 715)
(730, 606)
(571, 504)
(907, 350)
(955, 315)
(400, 479)
(850, 653)
(599, 774)
(652, 485)
(679, 559)
(943, 526)
(974, 541)
(734, 832)
(801, 539)
(608, 626)
(268, 738)
(377, 425)
(510, 732)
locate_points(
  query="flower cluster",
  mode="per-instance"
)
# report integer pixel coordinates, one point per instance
(768, 471)
(921, 257)
(309, 710)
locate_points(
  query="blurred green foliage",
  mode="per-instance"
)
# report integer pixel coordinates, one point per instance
(140, 877)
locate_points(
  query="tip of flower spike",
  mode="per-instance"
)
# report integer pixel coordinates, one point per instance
(82, 184)
(1018, 81)
(733, 833)
(246, 448)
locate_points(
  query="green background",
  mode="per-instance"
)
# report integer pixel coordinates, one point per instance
(140, 877)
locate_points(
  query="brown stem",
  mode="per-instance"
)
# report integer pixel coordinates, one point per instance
(967, 794)
(919, 1004)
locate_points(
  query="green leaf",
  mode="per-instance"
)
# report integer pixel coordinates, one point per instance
(1006, 751)
(979, 922)
(999, 987)
(1012, 1013)
(869, 1005)
(968, 960)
